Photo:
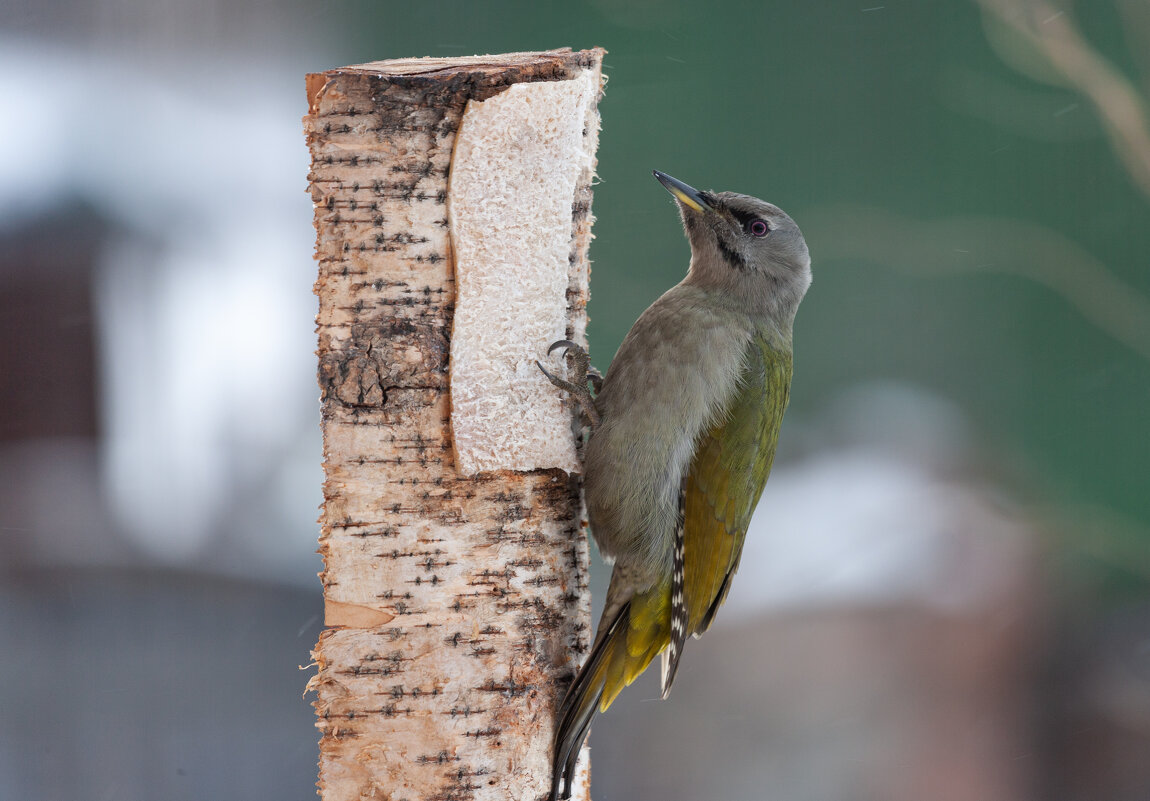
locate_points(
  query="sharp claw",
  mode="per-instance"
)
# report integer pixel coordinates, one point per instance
(596, 379)
(563, 343)
(581, 364)
(564, 385)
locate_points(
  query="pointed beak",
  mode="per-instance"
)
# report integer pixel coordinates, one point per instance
(687, 195)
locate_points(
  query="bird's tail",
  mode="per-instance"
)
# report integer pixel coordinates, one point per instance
(625, 645)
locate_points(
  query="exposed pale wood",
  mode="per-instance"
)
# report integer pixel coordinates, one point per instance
(519, 159)
(456, 606)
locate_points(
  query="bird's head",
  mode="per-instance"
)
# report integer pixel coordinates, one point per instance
(747, 248)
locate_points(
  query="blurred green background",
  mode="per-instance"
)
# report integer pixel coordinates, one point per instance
(973, 178)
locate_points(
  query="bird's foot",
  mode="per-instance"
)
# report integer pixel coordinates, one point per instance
(580, 366)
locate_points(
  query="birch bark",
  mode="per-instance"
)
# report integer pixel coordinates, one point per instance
(455, 604)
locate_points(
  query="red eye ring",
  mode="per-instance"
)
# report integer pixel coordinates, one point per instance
(758, 228)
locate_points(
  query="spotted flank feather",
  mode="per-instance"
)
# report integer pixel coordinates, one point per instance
(679, 611)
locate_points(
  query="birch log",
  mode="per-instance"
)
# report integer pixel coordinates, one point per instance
(456, 601)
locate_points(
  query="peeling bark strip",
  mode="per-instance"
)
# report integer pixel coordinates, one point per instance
(456, 606)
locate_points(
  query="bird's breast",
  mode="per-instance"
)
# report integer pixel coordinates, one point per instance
(672, 378)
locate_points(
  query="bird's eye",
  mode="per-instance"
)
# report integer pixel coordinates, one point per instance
(758, 228)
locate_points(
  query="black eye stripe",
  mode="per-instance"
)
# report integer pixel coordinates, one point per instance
(744, 217)
(747, 219)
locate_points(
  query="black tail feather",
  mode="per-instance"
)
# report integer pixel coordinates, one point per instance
(578, 708)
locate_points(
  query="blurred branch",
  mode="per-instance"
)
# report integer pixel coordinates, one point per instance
(986, 244)
(1122, 109)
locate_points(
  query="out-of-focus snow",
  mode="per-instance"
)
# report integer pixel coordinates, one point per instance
(864, 527)
(204, 304)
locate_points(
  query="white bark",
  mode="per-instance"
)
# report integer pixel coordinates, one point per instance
(455, 603)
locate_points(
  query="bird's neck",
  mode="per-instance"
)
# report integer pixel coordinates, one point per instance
(768, 303)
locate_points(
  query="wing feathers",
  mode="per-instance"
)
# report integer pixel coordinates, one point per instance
(726, 478)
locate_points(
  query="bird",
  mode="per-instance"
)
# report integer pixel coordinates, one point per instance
(683, 432)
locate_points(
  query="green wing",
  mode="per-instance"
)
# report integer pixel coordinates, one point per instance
(727, 476)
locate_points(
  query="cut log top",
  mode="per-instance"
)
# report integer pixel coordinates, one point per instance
(489, 73)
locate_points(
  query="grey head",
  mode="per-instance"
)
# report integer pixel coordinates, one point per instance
(750, 251)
